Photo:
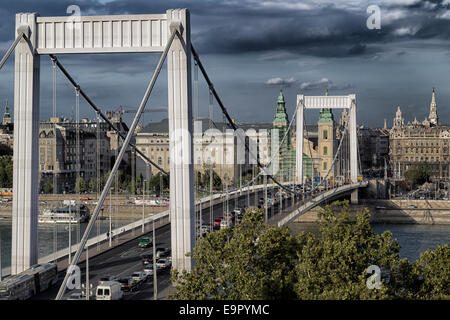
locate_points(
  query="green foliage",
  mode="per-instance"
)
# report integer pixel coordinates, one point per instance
(333, 264)
(80, 185)
(431, 273)
(48, 187)
(6, 171)
(203, 180)
(251, 261)
(257, 261)
(418, 174)
(155, 183)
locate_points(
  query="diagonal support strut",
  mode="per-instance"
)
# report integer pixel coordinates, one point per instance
(105, 191)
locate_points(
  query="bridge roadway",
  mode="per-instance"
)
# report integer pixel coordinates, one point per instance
(124, 259)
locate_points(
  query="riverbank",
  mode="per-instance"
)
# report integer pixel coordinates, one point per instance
(122, 207)
(395, 211)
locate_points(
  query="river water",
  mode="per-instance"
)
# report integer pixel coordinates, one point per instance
(47, 239)
(413, 238)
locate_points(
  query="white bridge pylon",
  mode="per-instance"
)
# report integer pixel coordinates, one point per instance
(333, 102)
(101, 34)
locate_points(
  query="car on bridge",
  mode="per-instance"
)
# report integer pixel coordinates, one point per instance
(149, 270)
(147, 258)
(217, 223)
(163, 263)
(226, 223)
(107, 278)
(162, 252)
(128, 284)
(145, 242)
(139, 276)
(204, 229)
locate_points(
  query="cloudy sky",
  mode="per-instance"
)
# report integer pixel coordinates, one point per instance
(252, 47)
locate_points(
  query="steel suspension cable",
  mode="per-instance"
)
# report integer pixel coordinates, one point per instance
(91, 103)
(230, 121)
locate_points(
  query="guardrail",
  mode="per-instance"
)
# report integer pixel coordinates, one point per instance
(319, 199)
(161, 219)
(63, 253)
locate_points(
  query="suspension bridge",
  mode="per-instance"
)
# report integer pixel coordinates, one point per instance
(169, 35)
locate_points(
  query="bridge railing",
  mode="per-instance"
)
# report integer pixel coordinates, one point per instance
(63, 253)
(308, 205)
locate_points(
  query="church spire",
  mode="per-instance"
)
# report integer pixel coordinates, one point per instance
(325, 113)
(433, 117)
(6, 115)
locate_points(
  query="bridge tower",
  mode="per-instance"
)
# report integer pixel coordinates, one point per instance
(320, 102)
(144, 33)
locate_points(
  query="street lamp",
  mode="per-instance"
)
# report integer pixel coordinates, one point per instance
(143, 203)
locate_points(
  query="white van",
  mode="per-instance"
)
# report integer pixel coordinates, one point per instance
(109, 290)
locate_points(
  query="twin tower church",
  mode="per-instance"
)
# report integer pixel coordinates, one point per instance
(319, 144)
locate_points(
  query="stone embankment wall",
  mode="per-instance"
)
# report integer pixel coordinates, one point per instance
(396, 211)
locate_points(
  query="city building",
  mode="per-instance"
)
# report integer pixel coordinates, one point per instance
(213, 144)
(59, 153)
(373, 146)
(425, 142)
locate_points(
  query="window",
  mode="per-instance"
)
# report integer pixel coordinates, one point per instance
(325, 165)
(325, 150)
(325, 134)
(159, 161)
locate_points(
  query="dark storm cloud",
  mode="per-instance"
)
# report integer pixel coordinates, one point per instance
(321, 28)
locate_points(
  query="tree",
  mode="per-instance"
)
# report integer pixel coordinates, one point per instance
(6, 171)
(48, 187)
(418, 174)
(257, 261)
(155, 182)
(204, 181)
(431, 274)
(333, 264)
(251, 261)
(80, 185)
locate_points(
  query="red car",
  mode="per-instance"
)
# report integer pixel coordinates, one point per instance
(85, 198)
(217, 222)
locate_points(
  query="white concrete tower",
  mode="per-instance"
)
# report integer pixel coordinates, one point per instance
(24, 251)
(181, 148)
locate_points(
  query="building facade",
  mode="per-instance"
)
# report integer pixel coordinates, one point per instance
(425, 142)
(61, 159)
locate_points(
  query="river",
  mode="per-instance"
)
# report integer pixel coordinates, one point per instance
(47, 239)
(413, 238)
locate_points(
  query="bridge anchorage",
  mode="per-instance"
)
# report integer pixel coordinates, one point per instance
(168, 34)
